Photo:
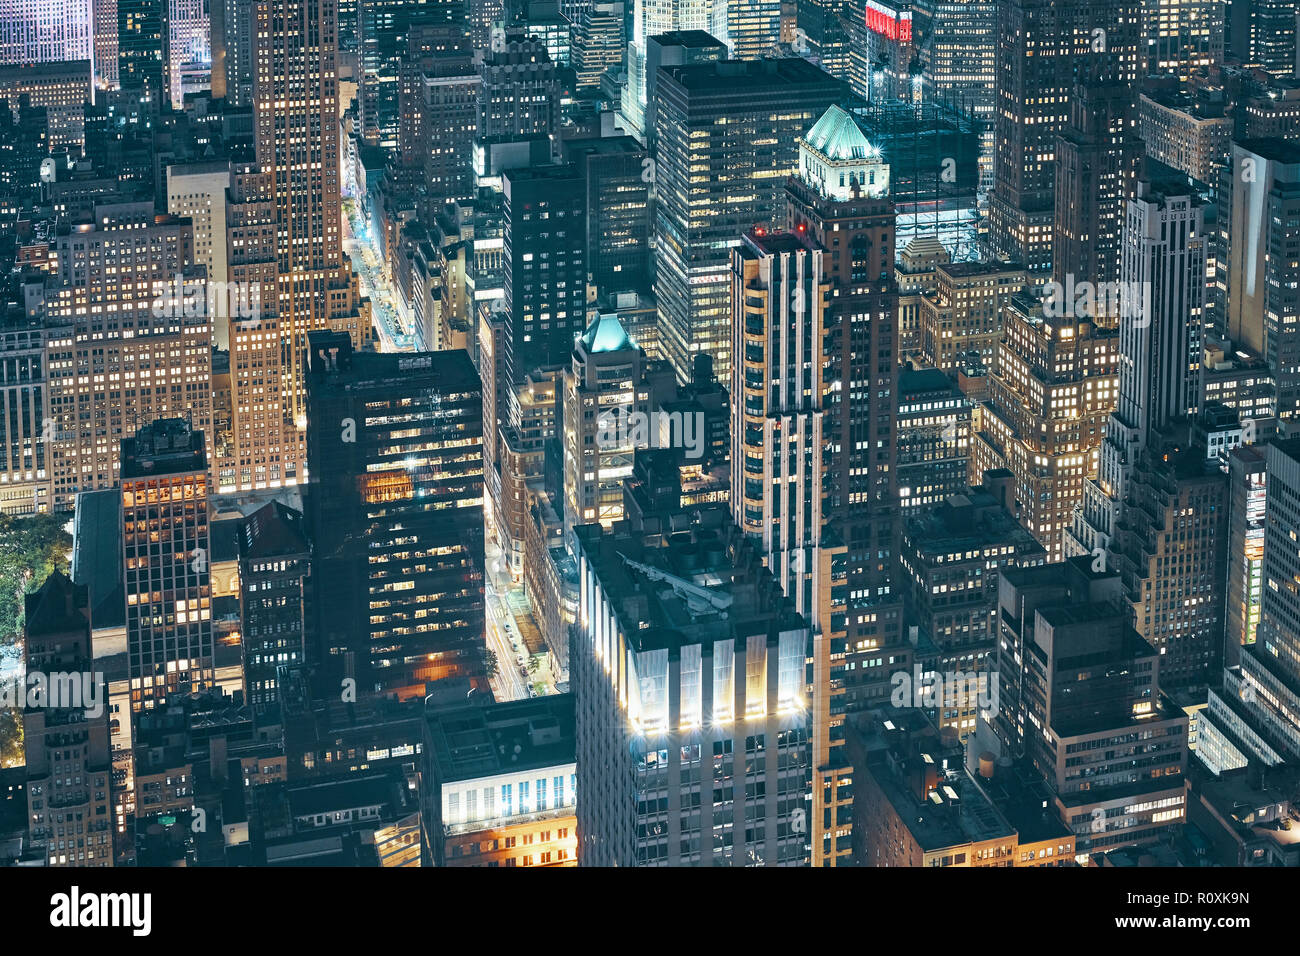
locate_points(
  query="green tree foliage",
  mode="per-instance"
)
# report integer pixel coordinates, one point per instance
(31, 548)
(11, 737)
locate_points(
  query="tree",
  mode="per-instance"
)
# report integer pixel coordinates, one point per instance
(31, 548)
(11, 738)
(488, 659)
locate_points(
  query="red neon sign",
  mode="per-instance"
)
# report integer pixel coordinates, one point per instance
(889, 23)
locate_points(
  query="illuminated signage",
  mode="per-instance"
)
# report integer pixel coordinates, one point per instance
(888, 22)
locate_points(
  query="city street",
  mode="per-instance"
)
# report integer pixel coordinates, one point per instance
(359, 246)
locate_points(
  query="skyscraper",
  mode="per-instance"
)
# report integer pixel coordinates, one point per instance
(69, 770)
(24, 440)
(1180, 38)
(599, 41)
(295, 115)
(151, 340)
(384, 28)
(395, 514)
(1045, 49)
(1158, 506)
(1261, 311)
(1162, 301)
(187, 49)
(168, 559)
(617, 210)
(1263, 34)
(545, 258)
(692, 726)
(1265, 684)
(1097, 157)
(140, 44)
(520, 94)
(780, 432)
(61, 30)
(274, 592)
(651, 18)
(739, 121)
(1081, 701)
(750, 28)
(1051, 394)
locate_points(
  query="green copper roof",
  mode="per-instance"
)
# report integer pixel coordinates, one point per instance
(837, 136)
(606, 335)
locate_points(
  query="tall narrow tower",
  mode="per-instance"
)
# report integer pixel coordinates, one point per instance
(296, 124)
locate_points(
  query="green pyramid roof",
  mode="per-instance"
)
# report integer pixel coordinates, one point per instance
(837, 136)
(606, 335)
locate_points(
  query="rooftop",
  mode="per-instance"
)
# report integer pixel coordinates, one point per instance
(468, 741)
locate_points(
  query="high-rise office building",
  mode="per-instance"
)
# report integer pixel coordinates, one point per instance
(1081, 700)
(1050, 396)
(599, 41)
(962, 318)
(168, 560)
(295, 117)
(1161, 312)
(53, 31)
(1153, 479)
(444, 122)
(520, 93)
(395, 515)
(63, 90)
(1265, 683)
(950, 558)
(710, 117)
(1192, 135)
(263, 450)
(840, 200)
(692, 725)
(384, 29)
(274, 589)
(231, 28)
(129, 306)
(779, 297)
(1263, 34)
(24, 439)
(822, 30)
(675, 48)
(750, 28)
(545, 259)
(1248, 495)
(1180, 37)
(1261, 304)
(140, 44)
(1046, 49)
(187, 49)
(197, 192)
(933, 439)
(649, 19)
(602, 388)
(782, 434)
(617, 209)
(956, 43)
(1097, 157)
(69, 773)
